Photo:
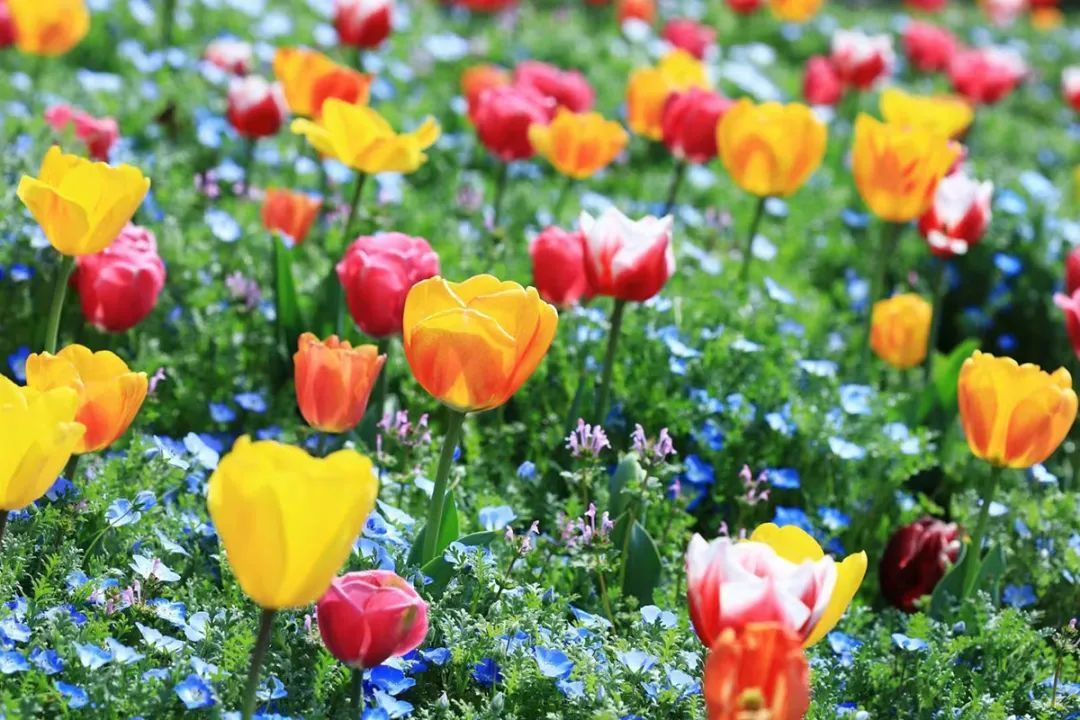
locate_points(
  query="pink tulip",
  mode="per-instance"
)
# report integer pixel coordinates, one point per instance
(860, 60)
(821, 84)
(986, 75)
(98, 134)
(558, 261)
(377, 273)
(363, 23)
(929, 48)
(627, 259)
(567, 88)
(690, 35)
(958, 216)
(119, 286)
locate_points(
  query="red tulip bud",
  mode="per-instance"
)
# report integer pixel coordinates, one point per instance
(119, 286)
(916, 559)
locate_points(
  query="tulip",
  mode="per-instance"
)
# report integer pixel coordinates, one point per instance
(363, 24)
(929, 6)
(1072, 271)
(860, 60)
(334, 381)
(231, 55)
(98, 134)
(916, 559)
(503, 116)
(821, 84)
(256, 108)
(7, 25)
(558, 263)
(308, 79)
(626, 259)
(690, 35)
(485, 6)
(745, 7)
(958, 216)
(639, 10)
(49, 27)
(986, 75)
(1070, 305)
(579, 145)
(567, 88)
(941, 114)
(929, 48)
(365, 618)
(757, 672)
(1003, 12)
(649, 88)
(289, 213)
(796, 11)
(119, 286)
(1070, 86)
(478, 78)
(900, 330)
(689, 123)
(780, 575)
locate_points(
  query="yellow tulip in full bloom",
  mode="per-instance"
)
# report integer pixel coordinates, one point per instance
(82, 205)
(1014, 415)
(109, 394)
(308, 78)
(649, 88)
(472, 344)
(947, 115)
(897, 167)
(49, 27)
(578, 144)
(770, 149)
(39, 432)
(361, 138)
(795, 10)
(288, 520)
(900, 330)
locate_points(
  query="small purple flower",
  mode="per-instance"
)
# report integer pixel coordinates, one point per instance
(587, 439)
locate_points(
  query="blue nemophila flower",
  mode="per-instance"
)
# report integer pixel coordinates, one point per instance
(855, 399)
(222, 225)
(173, 612)
(194, 692)
(526, 470)
(122, 653)
(654, 615)
(92, 656)
(156, 674)
(374, 713)
(778, 293)
(253, 402)
(636, 661)
(572, 689)
(781, 422)
(120, 513)
(699, 473)
(76, 696)
(436, 656)
(844, 646)
(792, 516)
(389, 679)
(487, 673)
(1018, 596)
(47, 661)
(496, 518)
(272, 689)
(221, 413)
(12, 661)
(13, 631)
(833, 519)
(908, 644)
(783, 478)
(846, 450)
(195, 628)
(145, 499)
(898, 432)
(147, 568)
(18, 607)
(819, 368)
(17, 363)
(854, 219)
(204, 454)
(20, 272)
(202, 668)
(1008, 265)
(858, 290)
(1041, 475)
(553, 663)
(158, 640)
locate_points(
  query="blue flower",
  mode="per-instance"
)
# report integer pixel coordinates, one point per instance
(908, 644)
(17, 363)
(389, 679)
(122, 653)
(437, 656)
(553, 663)
(698, 472)
(792, 516)
(1018, 596)
(653, 615)
(496, 518)
(194, 692)
(47, 661)
(710, 435)
(844, 646)
(526, 470)
(76, 696)
(14, 631)
(222, 225)
(833, 519)
(253, 402)
(221, 413)
(91, 656)
(1009, 265)
(272, 689)
(145, 499)
(855, 399)
(637, 661)
(846, 450)
(572, 689)
(13, 661)
(486, 673)
(120, 513)
(783, 478)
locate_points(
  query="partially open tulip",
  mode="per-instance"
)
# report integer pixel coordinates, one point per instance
(366, 618)
(796, 11)
(49, 27)
(334, 381)
(860, 60)
(986, 75)
(781, 575)
(745, 7)
(82, 205)
(377, 273)
(649, 88)
(898, 167)
(110, 394)
(900, 330)
(309, 78)
(821, 84)
(1014, 415)
(363, 24)
(1070, 86)
(770, 149)
(578, 145)
(689, 123)
(311, 511)
(627, 259)
(256, 108)
(916, 559)
(472, 344)
(942, 114)
(231, 55)
(639, 10)
(1072, 271)
(98, 134)
(1070, 305)
(959, 215)
(7, 25)
(690, 35)
(478, 78)
(757, 672)
(289, 213)
(358, 136)
(929, 48)
(119, 286)
(558, 264)
(40, 433)
(503, 115)
(566, 88)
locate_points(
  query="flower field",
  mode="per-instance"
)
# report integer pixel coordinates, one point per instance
(584, 359)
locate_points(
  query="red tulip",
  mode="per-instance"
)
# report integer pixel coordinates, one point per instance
(256, 108)
(1070, 304)
(757, 673)
(929, 6)
(745, 7)
(377, 273)
(503, 116)
(1072, 271)
(915, 560)
(1070, 86)
(568, 88)
(362, 23)
(821, 84)
(690, 35)
(928, 47)
(861, 60)
(689, 123)
(627, 259)
(959, 215)
(485, 6)
(98, 134)
(365, 618)
(119, 286)
(231, 55)
(986, 75)
(7, 25)
(558, 262)
(643, 10)
(478, 78)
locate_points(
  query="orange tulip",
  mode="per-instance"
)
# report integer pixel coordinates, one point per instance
(472, 344)
(649, 88)
(309, 78)
(1014, 415)
(110, 394)
(759, 673)
(798, 11)
(643, 10)
(289, 213)
(900, 330)
(334, 380)
(49, 27)
(579, 145)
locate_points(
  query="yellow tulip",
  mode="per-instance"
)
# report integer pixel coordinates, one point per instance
(39, 432)
(288, 520)
(795, 545)
(942, 114)
(649, 88)
(82, 205)
(109, 394)
(770, 149)
(308, 78)
(472, 344)
(578, 144)
(798, 11)
(897, 167)
(1014, 415)
(361, 138)
(900, 330)
(49, 27)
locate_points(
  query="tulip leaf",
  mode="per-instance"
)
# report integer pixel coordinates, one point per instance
(448, 532)
(286, 307)
(951, 587)
(947, 373)
(990, 573)
(638, 557)
(628, 471)
(440, 572)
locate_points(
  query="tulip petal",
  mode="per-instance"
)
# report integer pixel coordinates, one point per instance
(64, 222)
(790, 542)
(849, 575)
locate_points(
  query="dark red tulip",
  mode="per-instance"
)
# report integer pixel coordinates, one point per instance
(1072, 271)
(7, 25)
(915, 560)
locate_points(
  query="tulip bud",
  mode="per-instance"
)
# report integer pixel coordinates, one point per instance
(986, 75)
(915, 559)
(98, 134)
(334, 381)
(289, 213)
(1070, 305)
(861, 60)
(367, 617)
(689, 123)
(567, 88)
(1070, 86)
(640, 10)
(821, 84)
(478, 78)
(7, 26)
(627, 259)
(362, 23)
(1072, 271)
(900, 330)
(256, 108)
(119, 286)
(558, 262)
(231, 55)
(929, 48)
(745, 7)
(503, 116)
(690, 35)
(958, 216)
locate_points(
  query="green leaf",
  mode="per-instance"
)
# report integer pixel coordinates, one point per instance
(286, 307)
(947, 373)
(448, 532)
(441, 572)
(628, 470)
(950, 587)
(990, 573)
(641, 559)
(329, 305)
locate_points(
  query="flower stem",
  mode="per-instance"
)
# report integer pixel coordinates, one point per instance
(603, 397)
(258, 654)
(433, 528)
(971, 567)
(677, 174)
(500, 191)
(748, 252)
(358, 189)
(890, 233)
(52, 332)
(356, 691)
(560, 201)
(940, 288)
(376, 404)
(3, 525)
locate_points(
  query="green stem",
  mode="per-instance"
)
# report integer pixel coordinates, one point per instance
(630, 520)
(3, 525)
(72, 468)
(433, 527)
(748, 252)
(560, 201)
(357, 691)
(168, 10)
(604, 396)
(358, 189)
(500, 191)
(940, 288)
(258, 654)
(377, 402)
(890, 233)
(971, 565)
(52, 331)
(503, 581)
(604, 595)
(677, 174)
(249, 162)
